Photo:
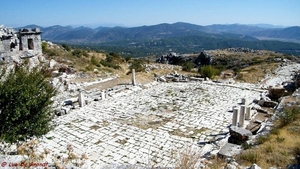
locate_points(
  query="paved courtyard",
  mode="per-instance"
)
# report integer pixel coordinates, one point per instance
(149, 126)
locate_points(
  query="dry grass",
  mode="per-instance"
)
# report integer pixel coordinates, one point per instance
(277, 151)
(253, 74)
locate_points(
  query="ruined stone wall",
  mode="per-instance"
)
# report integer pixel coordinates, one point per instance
(24, 43)
(30, 40)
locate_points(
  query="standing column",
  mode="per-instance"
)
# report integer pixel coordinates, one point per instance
(235, 117)
(102, 95)
(133, 77)
(81, 99)
(248, 113)
(243, 101)
(242, 116)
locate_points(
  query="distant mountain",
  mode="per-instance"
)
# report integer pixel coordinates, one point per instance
(286, 34)
(235, 28)
(184, 37)
(268, 26)
(106, 34)
(292, 33)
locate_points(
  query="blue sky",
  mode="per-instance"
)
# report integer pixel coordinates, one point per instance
(148, 12)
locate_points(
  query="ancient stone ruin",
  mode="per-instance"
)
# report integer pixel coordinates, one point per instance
(24, 43)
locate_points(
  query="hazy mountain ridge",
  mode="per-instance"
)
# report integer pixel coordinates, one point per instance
(106, 34)
(179, 37)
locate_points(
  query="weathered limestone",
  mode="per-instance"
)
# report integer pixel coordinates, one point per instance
(248, 113)
(243, 101)
(103, 95)
(242, 116)
(235, 117)
(133, 77)
(121, 130)
(229, 150)
(81, 99)
(238, 135)
(25, 43)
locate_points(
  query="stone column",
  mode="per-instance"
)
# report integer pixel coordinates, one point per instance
(81, 99)
(102, 95)
(133, 77)
(235, 117)
(248, 113)
(243, 101)
(242, 116)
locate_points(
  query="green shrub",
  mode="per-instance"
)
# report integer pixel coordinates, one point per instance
(250, 156)
(208, 71)
(44, 47)
(187, 66)
(280, 139)
(78, 53)
(275, 131)
(66, 47)
(289, 115)
(137, 65)
(262, 139)
(25, 100)
(94, 61)
(109, 64)
(127, 58)
(112, 60)
(246, 146)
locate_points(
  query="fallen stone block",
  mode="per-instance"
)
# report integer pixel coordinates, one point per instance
(276, 92)
(229, 150)
(238, 135)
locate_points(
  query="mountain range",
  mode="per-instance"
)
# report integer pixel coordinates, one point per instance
(180, 37)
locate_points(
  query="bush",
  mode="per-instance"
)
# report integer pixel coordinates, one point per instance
(44, 47)
(208, 71)
(263, 138)
(250, 156)
(112, 60)
(66, 47)
(289, 115)
(127, 58)
(137, 65)
(187, 66)
(78, 53)
(25, 100)
(94, 61)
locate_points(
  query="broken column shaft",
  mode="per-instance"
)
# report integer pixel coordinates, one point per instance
(235, 117)
(242, 116)
(133, 77)
(81, 99)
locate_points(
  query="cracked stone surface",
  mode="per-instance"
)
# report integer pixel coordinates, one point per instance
(142, 126)
(149, 126)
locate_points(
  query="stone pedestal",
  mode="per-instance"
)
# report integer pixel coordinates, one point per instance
(81, 99)
(133, 77)
(242, 116)
(248, 113)
(235, 117)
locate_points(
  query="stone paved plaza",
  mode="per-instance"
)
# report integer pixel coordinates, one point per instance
(147, 126)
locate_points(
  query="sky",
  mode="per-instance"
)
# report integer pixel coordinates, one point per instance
(130, 13)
